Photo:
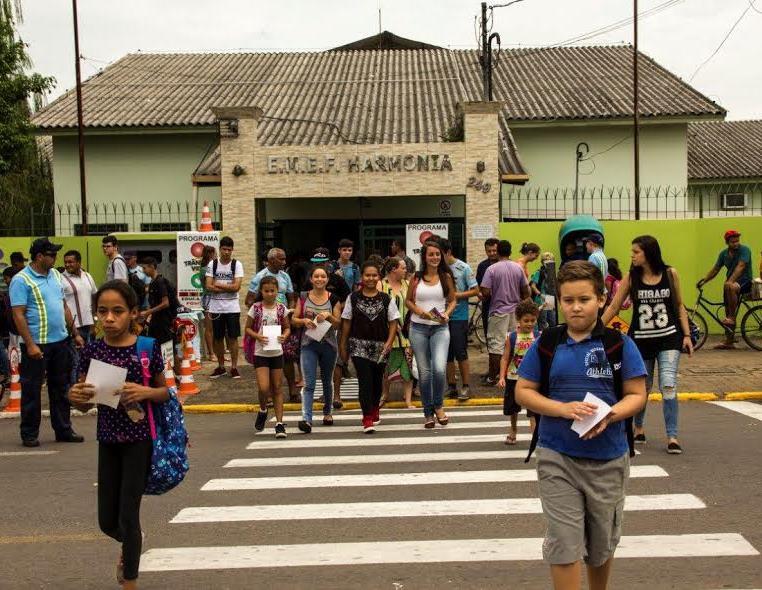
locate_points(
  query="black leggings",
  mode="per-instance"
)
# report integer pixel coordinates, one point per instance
(122, 472)
(370, 381)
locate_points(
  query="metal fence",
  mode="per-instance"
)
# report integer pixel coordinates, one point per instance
(105, 218)
(612, 203)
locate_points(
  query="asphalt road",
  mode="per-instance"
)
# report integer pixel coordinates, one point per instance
(49, 536)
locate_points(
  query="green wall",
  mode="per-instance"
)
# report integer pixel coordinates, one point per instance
(93, 259)
(691, 246)
(130, 168)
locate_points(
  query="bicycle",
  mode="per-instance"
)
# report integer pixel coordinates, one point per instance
(751, 321)
(475, 322)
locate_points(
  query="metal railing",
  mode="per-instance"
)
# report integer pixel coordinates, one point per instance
(104, 218)
(612, 203)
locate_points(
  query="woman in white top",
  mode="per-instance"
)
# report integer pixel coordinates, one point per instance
(430, 300)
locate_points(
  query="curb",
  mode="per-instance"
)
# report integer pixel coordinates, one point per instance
(743, 395)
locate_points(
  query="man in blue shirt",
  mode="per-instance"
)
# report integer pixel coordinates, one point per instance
(465, 288)
(736, 259)
(44, 322)
(582, 479)
(276, 263)
(594, 247)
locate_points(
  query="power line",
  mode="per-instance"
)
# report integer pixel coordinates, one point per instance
(725, 38)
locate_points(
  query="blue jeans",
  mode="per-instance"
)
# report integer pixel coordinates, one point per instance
(430, 345)
(317, 354)
(668, 361)
(88, 334)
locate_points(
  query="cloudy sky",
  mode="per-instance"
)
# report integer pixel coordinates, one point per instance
(682, 35)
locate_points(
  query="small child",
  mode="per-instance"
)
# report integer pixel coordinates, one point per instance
(124, 436)
(268, 364)
(582, 480)
(516, 345)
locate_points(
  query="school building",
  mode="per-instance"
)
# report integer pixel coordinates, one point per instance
(302, 149)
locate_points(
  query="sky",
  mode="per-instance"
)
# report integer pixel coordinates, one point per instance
(681, 37)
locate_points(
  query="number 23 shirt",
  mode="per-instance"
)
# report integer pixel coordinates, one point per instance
(655, 326)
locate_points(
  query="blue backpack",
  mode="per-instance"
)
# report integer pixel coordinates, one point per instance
(169, 461)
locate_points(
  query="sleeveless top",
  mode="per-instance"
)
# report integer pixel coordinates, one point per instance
(427, 297)
(399, 300)
(655, 325)
(311, 310)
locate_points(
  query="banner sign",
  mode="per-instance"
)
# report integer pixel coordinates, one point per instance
(190, 275)
(417, 233)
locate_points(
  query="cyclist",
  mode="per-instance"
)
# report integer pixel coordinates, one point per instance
(736, 259)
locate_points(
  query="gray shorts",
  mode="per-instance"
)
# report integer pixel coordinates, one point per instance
(497, 330)
(582, 500)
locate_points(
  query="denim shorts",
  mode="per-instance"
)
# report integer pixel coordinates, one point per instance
(458, 350)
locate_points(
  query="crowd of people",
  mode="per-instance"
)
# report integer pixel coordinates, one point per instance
(393, 319)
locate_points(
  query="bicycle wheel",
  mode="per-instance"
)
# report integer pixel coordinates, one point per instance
(751, 327)
(699, 320)
(479, 327)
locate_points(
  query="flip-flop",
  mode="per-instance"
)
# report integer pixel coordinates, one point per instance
(327, 420)
(510, 439)
(725, 346)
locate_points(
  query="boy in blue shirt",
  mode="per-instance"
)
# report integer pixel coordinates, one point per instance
(582, 480)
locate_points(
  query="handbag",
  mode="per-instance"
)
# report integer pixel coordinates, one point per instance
(409, 315)
(169, 458)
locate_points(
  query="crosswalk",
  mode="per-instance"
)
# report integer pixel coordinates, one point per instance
(404, 476)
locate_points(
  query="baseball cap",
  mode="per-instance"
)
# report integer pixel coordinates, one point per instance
(731, 233)
(319, 256)
(18, 257)
(595, 238)
(41, 245)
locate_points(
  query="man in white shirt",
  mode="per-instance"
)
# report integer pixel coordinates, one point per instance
(223, 281)
(117, 267)
(79, 288)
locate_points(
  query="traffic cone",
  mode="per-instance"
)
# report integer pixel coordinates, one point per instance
(190, 351)
(187, 385)
(169, 379)
(14, 402)
(206, 218)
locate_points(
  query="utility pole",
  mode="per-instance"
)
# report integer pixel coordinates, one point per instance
(485, 50)
(636, 110)
(80, 126)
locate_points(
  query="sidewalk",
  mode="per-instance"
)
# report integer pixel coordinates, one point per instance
(708, 371)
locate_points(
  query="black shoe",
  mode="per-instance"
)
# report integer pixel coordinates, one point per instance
(280, 430)
(30, 442)
(71, 437)
(259, 423)
(640, 439)
(453, 392)
(304, 426)
(674, 449)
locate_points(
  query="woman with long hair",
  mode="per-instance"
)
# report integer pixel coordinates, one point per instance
(209, 254)
(400, 357)
(659, 327)
(430, 301)
(529, 253)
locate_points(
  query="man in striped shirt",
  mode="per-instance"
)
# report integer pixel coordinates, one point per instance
(44, 323)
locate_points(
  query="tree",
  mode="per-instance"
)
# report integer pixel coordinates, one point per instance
(25, 180)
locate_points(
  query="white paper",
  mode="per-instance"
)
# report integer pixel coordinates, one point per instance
(582, 427)
(319, 331)
(550, 302)
(107, 379)
(272, 333)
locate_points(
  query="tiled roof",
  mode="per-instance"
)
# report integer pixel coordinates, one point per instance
(378, 96)
(725, 149)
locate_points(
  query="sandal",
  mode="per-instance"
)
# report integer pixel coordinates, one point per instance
(444, 420)
(327, 420)
(337, 405)
(725, 346)
(729, 323)
(429, 422)
(510, 439)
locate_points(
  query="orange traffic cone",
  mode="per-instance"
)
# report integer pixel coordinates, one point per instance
(190, 351)
(206, 218)
(169, 380)
(187, 385)
(14, 402)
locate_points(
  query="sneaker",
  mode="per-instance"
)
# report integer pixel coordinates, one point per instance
(376, 416)
(235, 374)
(640, 439)
(218, 372)
(452, 392)
(367, 425)
(280, 430)
(259, 423)
(464, 394)
(674, 448)
(304, 426)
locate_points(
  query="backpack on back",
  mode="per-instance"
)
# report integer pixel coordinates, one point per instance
(613, 344)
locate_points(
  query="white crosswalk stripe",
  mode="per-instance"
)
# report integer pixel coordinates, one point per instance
(352, 416)
(419, 493)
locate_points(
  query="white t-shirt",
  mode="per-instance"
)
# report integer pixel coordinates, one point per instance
(81, 292)
(117, 269)
(269, 318)
(224, 302)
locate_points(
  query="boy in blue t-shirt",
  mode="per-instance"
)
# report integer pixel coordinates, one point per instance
(582, 480)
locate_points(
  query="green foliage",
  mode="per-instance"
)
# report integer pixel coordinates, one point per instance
(25, 181)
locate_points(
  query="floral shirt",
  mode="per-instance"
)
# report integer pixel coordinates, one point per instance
(114, 425)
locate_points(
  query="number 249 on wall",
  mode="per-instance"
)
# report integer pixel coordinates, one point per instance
(476, 183)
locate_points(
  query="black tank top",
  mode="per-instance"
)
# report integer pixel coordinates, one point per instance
(655, 326)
